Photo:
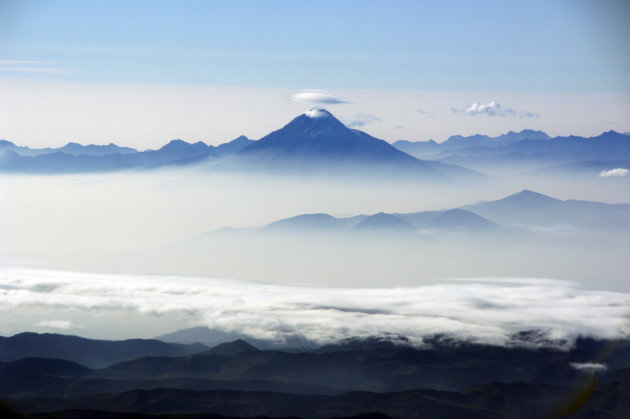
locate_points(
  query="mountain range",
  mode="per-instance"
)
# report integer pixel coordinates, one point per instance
(76, 158)
(526, 151)
(354, 376)
(316, 142)
(525, 211)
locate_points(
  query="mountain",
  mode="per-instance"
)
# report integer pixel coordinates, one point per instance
(458, 141)
(490, 401)
(515, 153)
(528, 208)
(383, 222)
(306, 222)
(316, 141)
(77, 158)
(354, 376)
(231, 348)
(371, 364)
(454, 142)
(232, 147)
(213, 337)
(76, 149)
(525, 211)
(88, 352)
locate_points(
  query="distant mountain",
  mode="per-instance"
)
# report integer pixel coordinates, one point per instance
(423, 148)
(528, 208)
(88, 352)
(231, 348)
(76, 149)
(76, 158)
(521, 152)
(316, 141)
(308, 222)
(383, 222)
(213, 337)
(232, 147)
(458, 141)
(526, 211)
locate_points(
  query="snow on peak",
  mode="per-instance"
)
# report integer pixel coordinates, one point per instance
(316, 113)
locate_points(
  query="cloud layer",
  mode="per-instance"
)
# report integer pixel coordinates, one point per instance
(484, 310)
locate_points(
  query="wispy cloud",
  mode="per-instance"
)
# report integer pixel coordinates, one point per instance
(58, 324)
(316, 97)
(360, 119)
(425, 113)
(527, 114)
(618, 172)
(483, 311)
(493, 109)
(29, 66)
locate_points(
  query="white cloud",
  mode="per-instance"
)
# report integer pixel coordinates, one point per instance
(589, 366)
(316, 97)
(494, 109)
(360, 119)
(618, 172)
(475, 310)
(57, 324)
(489, 109)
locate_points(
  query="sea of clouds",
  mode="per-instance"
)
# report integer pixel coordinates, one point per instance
(483, 310)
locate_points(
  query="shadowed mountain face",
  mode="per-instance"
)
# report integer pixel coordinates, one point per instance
(316, 140)
(455, 380)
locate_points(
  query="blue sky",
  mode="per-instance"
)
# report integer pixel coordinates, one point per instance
(504, 49)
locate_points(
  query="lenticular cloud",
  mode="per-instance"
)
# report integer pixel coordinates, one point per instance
(490, 311)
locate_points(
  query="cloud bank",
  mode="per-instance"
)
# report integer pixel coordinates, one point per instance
(618, 172)
(486, 311)
(316, 97)
(493, 109)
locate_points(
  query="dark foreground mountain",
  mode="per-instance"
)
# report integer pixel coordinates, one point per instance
(444, 379)
(89, 352)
